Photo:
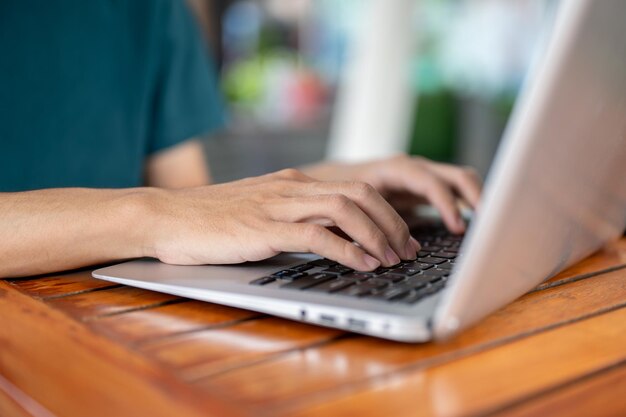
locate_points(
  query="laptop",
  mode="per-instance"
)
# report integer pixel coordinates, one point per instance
(555, 194)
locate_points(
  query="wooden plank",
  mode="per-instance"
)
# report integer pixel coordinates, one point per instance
(63, 285)
(15, 403)
(110, 301)
(600, 396)
(208, 352)
(610, 257)
(73, 372)
(165, 321)
(9, 408)
(325, 371)
(490, 379)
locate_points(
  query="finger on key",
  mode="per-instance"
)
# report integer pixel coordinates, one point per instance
(307, 237)
(343, 213)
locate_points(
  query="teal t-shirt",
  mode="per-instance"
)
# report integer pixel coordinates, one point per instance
(89, 89)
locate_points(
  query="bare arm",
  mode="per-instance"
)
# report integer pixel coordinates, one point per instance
(56, 229)
(248, 220)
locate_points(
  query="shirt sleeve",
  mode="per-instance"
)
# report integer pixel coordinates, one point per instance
(187, 99)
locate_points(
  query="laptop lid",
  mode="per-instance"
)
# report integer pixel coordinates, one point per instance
(557, 190)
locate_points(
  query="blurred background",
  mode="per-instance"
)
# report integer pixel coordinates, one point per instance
(357, 79)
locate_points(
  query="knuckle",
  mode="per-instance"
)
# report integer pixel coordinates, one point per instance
(290, 173)
(471, 173)
(340, 202)
(363, 189)
(313, 232)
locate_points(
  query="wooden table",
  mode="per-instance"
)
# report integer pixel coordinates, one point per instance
(71, 345)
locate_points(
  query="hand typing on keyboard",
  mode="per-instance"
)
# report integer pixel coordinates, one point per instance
(407, 181)
(289, 211)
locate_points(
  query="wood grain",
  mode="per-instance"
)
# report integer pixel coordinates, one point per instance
(109, 301)
(77, 347)
(63, 285)
(73, 372)
(209, 352)
(610, 257)
(168, 321)
(602, 395)
(325, 371)
(490, 379)
(14, 402)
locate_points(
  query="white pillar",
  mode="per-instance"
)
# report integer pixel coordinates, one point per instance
(376, 100)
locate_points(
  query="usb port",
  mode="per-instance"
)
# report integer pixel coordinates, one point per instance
(357, 324)
(326, 319)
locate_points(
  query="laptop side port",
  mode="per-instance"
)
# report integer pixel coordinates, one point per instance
(326, 319)
(356, 324)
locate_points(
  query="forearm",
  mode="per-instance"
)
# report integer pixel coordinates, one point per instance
(57, 229)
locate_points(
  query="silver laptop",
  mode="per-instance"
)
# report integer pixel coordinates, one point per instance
(556, 193)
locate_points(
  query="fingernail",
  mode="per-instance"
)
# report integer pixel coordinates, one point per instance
(391, 256)
(409, 250)
(372, 263)
(460, 223)
(416, 245)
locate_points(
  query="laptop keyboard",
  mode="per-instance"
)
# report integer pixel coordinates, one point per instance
(406, 282)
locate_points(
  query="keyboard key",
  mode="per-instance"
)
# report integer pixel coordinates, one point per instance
(357, 290)
(309, 281)
(438, 279)
(376, 272)
(388, 293)
(322, 262)
(447, 255)
(291, 275)
(338, 270)
(434, 288)
(288, 274)
(376, 282)
(417, 295)
(302, 268)
(418, 281)
(436, 273)
(263, 280)
(390, 276)
(332, 285)
(446, 266)
(432, 260)
(420, 265)
(412, 269)
(357, 276)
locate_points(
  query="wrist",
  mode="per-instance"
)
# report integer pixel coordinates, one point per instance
(138, 210)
